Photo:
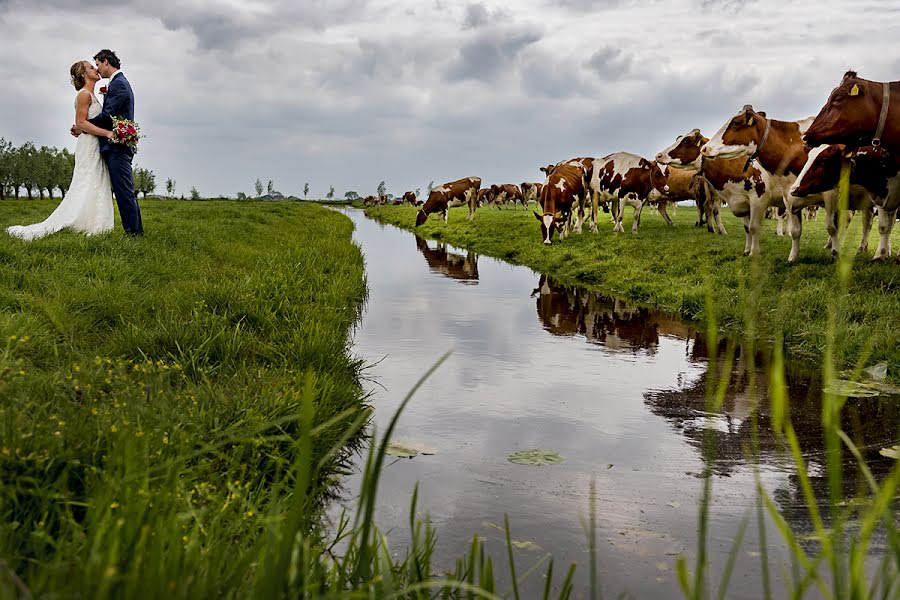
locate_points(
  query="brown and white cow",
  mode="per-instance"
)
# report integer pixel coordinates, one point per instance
(874, 178)
(531, 191)
(853, 112)
(678, 184)
(563, 189)
(779, 149)
(586, 163)
(685, 155)
(444, 197)
(506, 193)
(623, 178)
(485, 196)
(410, 197)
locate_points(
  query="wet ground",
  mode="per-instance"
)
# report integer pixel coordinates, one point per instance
(617, 390)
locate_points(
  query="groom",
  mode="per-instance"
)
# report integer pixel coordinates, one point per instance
(119, 102)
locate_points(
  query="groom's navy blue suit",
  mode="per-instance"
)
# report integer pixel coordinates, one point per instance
(119, 102)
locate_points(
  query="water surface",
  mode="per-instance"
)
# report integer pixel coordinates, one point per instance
(616, 389)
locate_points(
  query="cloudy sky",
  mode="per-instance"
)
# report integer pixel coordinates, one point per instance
(352, 92)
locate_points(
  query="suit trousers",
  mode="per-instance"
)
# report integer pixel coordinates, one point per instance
(121, 176)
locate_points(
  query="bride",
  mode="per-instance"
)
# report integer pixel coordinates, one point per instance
(87, 206)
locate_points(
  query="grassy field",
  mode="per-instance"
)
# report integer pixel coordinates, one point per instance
(153, 392)
(671, 268)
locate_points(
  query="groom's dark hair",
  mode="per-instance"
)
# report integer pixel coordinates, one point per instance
(110, 57)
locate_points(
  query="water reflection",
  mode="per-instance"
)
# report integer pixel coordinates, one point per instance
(455, 266)
(571, 310)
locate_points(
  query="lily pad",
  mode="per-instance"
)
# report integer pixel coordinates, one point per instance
(892, 452)
(851, 389)
(536, 456)
(525, 545)
(401, 451)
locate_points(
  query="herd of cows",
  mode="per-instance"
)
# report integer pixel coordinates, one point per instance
(752, 164)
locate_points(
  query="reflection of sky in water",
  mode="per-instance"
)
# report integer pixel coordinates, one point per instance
(511, 384)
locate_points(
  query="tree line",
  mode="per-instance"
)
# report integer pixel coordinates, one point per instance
(43, 171)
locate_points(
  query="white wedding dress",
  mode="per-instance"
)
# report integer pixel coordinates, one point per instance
(88, 205)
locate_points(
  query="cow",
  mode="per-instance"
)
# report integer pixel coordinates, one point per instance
(455, 193)
(455, 266)
(410, 197)
(874, 179)
(678, 184)
(507, 192)
(370, 201)
(779, 149)
(685, 155)
(623, 178)
(484, 196)
(564, 188)
(530, 191)
(811, 213)
(854, 112)
(397, 202)
(586, 163)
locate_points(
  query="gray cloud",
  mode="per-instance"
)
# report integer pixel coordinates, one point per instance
(412, 92)
(609, 63)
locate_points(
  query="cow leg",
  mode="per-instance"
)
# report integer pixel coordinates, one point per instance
(795, 228)
(595, 200)
(579, 214)
(746, 236)
(885, 225)
(637, 217)
(664, 213)
(620, 212)
(866, 228)
(831, 217)
(446, 215)
(717, 216)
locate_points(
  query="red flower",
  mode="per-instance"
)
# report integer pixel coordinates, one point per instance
(103, 90)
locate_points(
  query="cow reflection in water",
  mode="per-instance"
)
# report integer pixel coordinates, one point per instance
(455, 266)
(571, 310)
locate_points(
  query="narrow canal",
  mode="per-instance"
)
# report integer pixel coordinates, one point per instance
(617, 390)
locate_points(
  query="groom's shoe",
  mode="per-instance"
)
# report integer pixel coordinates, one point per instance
(134, 233)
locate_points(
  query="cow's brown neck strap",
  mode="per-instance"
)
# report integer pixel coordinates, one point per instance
(885, 106)
(759, 146)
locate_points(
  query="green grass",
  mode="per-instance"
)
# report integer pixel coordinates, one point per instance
(150, 389)
(669, 268)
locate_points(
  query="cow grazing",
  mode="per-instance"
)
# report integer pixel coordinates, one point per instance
(410, 197)
(623, 178)
(564, 187)
(779, 149)
(531, 191)
(507, 193)
(853, 113)
(685, 155)
(443, 198)
(484, 196)
(874, 179)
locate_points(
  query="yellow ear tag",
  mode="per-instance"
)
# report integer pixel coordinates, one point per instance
(854, 91)
(849, 154)
(750, 122)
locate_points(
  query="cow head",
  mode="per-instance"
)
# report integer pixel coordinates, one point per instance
(821, 171)
(549, 224)
(850, 115)
(740, 136)
(685, 152)
(421, 217)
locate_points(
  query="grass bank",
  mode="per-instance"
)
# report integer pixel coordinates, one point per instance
(669, 268)
(153, 391)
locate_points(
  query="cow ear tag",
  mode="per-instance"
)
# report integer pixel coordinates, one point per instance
(854, 91)
(750, 121)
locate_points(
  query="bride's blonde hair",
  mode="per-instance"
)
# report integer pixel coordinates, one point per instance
(77, 73)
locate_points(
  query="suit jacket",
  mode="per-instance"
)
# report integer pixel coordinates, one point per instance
(119, 102)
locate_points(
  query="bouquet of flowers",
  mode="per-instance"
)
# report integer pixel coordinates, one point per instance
(126, 132)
